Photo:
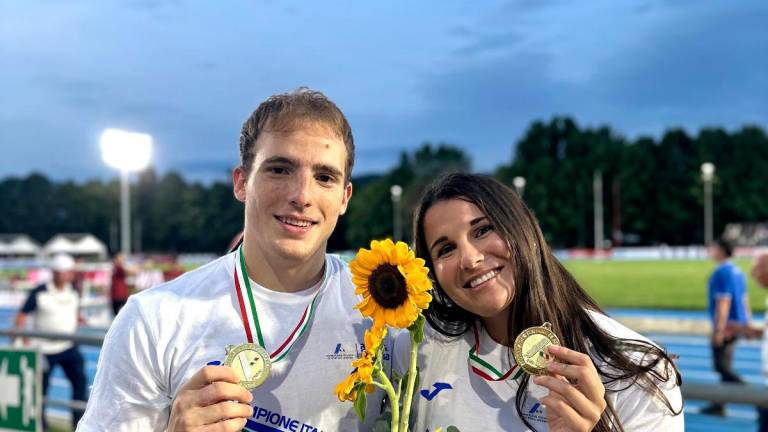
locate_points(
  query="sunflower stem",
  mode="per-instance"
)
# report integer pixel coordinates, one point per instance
(409, 388)
(387, 385)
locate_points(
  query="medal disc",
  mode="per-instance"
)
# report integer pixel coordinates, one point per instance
(530, 349)
(250, 362)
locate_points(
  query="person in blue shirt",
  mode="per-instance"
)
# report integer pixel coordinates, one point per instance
(728, 305)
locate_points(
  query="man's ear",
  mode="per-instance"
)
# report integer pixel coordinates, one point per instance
(345, 199)
(239, 180)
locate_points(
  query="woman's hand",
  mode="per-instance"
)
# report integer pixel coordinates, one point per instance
(576, 397)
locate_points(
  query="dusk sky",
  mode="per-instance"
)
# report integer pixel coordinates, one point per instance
(473, 74)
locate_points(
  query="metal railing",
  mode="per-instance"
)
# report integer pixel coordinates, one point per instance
(84, 339)
(81, 338)
(717, 392)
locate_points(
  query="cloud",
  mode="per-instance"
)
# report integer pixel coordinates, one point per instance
(688, 67)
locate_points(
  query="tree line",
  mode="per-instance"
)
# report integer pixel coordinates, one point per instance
(652, 192)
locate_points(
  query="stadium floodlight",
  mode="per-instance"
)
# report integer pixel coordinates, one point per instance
(707, 174)
(126, 152)
(519, 183)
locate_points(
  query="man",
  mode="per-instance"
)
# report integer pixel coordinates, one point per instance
(55, 307)
(118, 290)
(279, 290)
(728, 304)
(760, 275)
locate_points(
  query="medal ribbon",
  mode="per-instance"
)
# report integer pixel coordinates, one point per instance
(251, 316)
(486, 370)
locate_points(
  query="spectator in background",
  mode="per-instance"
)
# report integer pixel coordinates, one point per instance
(760, 275)
(55, 307)
(119, 290)
(728, 304)
(174, 269)
(78, 280)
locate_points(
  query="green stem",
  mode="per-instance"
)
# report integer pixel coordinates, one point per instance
(392, 397)
(409, 389)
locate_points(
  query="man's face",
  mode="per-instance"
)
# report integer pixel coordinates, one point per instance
(760, 271)
(294, 192)
(63, 277)
(717, 253)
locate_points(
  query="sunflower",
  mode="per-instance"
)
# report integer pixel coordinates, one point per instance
(364, 367)
(347, 389)
(393, 283)
(374, 337)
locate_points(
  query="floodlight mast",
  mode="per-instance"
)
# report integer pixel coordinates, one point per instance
(127, 152)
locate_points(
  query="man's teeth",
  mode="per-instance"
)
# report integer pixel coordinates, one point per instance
(295, 222)
(475, 282)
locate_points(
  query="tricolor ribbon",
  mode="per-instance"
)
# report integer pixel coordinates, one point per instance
(486, 370)
(251, 316)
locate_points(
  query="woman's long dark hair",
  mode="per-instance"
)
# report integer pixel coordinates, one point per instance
(544, 292)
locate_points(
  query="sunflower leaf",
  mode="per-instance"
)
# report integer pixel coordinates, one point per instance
(417, 329)
(361, 403)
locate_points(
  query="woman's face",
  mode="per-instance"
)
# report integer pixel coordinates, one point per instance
(471, 261)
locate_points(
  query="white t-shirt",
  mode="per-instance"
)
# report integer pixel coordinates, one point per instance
(54, 310)
(166, 334)
(451, 394)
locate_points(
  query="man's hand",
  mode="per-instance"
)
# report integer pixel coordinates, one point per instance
(211, 401)
(733, 330)
(718, 337)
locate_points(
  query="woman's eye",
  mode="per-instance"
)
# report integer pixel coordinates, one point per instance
(444, 250)
(483, 230)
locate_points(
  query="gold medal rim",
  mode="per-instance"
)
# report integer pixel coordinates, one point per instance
(232, 354)
(517, 351)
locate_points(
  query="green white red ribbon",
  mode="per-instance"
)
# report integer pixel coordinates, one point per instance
(486, 370)
(251, 316)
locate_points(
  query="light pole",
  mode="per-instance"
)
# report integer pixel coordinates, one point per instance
(397, 192)
(519, 183)
(126, 152)
(597, 192)
(707, 174)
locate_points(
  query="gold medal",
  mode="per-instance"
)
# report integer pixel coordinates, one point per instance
(530, 349)
(250, 362)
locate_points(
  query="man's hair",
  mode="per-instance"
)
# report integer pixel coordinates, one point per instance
(726, 246)
(288, 112)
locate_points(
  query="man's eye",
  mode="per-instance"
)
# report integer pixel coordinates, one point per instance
(277, 170)
(325, 178)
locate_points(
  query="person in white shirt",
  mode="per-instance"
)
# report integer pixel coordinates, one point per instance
(279, 290)
(55, 308)
(494, 276)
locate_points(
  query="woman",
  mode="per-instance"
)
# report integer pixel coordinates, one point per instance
(494, 277)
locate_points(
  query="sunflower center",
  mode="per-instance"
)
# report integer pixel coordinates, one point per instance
(387, 286)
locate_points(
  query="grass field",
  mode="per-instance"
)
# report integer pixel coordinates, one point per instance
(654, 284)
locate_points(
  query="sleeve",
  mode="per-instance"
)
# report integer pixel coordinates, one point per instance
(640, 411)
(30, 305)
(720, 286)
(129, 392)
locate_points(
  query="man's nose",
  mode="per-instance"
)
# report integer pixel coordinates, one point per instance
(301, 192)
